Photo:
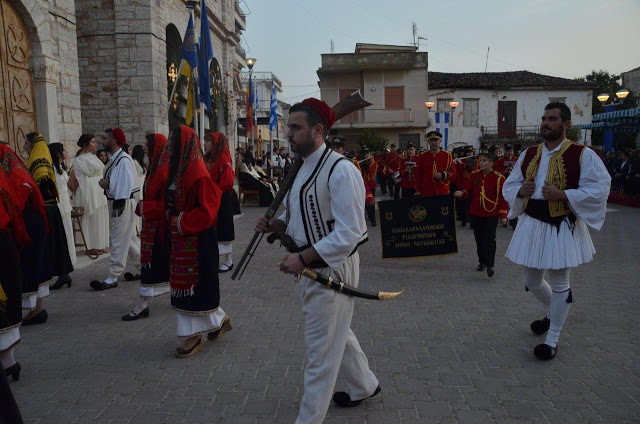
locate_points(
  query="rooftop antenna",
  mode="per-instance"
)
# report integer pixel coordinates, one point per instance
(414, 27)
(487, 62)
(333, 46)
(426, 42)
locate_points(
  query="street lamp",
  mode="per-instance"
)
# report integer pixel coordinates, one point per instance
(250, 62)
(620, 95)
(453, 105)
(429, 104)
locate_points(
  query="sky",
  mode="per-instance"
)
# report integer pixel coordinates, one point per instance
(564, 38)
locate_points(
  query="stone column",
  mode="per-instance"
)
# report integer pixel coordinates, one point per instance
(45, 78)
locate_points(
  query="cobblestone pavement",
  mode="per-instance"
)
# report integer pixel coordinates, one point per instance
(454, 348)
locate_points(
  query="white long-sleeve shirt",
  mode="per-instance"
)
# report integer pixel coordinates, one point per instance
(588, 202)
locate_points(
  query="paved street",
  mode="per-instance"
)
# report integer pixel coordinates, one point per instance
(454, 348)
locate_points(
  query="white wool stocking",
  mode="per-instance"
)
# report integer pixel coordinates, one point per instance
(537, 285)
(560, 303)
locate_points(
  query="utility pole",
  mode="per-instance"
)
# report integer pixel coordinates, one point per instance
(333, 46)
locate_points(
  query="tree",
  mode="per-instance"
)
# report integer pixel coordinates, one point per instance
(604, 82)
(373, 140)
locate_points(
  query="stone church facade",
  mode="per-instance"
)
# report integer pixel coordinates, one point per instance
(72, 67)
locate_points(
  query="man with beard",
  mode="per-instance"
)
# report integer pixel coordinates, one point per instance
(325, 216)
(120, 184)
(557, 188)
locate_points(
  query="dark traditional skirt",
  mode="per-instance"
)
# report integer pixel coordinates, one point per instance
(225, 217)
(206, 296)
(36, 262)
(57, 247)
(10, 283)
(235, 202)
(157, 272)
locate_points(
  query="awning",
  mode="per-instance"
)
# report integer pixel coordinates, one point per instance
(616, 114)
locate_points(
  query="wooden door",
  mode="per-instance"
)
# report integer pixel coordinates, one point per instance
(17, 98)
(507, 118)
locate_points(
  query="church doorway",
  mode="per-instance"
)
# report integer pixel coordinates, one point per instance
(17, 100)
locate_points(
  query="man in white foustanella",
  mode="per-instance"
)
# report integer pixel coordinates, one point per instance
(325, 216)
(557, 189)
(120, 184)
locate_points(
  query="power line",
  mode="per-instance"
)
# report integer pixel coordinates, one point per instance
(404, 25)
(300, 86)
(301, 95)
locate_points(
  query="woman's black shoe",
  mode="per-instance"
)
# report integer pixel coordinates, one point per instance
(66, 279)
(185, 353)
(143, 314)
(225, 268)
(131, 277)
(490, 271)
(13, 371)
(480, 267)
(40, 318)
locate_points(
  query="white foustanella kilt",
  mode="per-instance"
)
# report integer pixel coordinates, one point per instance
(537, 244)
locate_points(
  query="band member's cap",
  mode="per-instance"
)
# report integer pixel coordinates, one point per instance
(488, 155)
(508, 146)
(434, 134)
(322, 110)
(338, 141)
(410, 145)
(393, 145)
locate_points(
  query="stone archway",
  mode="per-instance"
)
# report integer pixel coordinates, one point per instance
(17, 102)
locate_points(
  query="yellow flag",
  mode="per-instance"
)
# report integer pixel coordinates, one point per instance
(190, 104)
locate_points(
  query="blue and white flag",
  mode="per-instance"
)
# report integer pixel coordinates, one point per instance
(273, 117)
(442, 126)
(205, 54)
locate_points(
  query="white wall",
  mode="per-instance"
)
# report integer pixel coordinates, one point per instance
(530, 107)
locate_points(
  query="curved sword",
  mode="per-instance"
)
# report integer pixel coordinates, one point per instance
(347, 289)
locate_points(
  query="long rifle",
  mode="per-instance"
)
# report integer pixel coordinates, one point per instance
(352, 103)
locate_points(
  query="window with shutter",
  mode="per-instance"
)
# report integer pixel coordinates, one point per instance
(470, 109)
(394, 97)
(443, 105)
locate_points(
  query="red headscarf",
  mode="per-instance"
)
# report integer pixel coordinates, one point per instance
(20, 177)
(10, 218)
(158, 171)
(218, 161)
(191, 167)
(154, 191)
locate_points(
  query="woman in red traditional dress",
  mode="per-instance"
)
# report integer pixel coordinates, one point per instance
(155, 237)
(192, 206)
(218, 161)
(36, 264)
(12, 235)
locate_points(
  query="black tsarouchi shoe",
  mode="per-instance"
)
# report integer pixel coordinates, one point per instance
(344, 400)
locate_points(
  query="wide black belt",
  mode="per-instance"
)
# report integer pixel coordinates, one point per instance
(539, 209)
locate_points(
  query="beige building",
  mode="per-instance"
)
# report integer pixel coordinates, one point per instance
(72, 67)
(393, 78)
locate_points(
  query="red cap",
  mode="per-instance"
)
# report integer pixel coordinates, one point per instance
(118, 134)
(322, 110)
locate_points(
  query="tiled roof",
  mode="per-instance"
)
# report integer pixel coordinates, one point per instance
(500, 80)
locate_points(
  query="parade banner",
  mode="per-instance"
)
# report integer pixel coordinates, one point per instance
(418, 227)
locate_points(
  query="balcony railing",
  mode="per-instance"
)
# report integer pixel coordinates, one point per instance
(241, 52)
(520, 133)
(376, 116)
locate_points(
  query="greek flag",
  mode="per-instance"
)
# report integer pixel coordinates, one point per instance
(442, 126)
(273, 117)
